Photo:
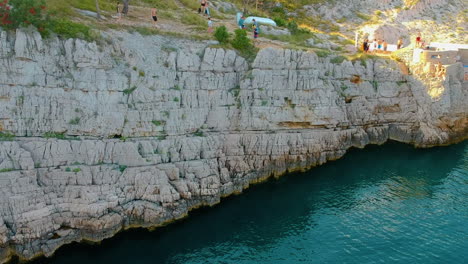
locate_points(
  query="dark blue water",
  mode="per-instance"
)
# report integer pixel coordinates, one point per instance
(387, 204)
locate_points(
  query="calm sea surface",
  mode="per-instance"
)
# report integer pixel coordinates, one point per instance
(383, 204)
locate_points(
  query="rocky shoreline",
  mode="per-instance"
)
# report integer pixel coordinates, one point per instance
(139, 132)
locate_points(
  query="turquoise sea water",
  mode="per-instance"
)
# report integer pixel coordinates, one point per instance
(383, 204)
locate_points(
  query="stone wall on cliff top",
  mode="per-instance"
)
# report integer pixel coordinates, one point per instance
(151, 127)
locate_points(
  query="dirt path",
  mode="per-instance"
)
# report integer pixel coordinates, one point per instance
(140, 16)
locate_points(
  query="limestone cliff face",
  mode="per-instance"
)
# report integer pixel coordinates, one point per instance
(139, 131)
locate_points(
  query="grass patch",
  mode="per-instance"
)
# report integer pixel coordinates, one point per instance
(67, 29)
(129, 90)
(160, 5)
(158, 122)
(192, 19)
(363, 16)
(5, 136)
(76, 170)
(198, 133)
(338, 59)
(144, 31)
(6, 170)
(322, 53)
(161, 137)
(74, 121)
(54, 135)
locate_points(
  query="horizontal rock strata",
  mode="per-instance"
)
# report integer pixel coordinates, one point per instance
(136, 132)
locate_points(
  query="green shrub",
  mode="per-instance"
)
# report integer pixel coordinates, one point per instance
(293, 27)
(122, 168)
(23, 13)
(76, 170)
(278, 10)
(280, 22)
(241, 41)
(221, 34)
(243, 44)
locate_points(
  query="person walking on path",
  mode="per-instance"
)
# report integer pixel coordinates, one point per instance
(379, 44)
(399, 43)
(385, 45)
(365, 46)
(210, 25)
(154, 13)
(255, 33)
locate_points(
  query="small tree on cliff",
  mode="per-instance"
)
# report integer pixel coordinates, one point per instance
(243, 44)
(23, 13)
(221, 34)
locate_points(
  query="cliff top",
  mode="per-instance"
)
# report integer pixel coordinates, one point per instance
(325, 27)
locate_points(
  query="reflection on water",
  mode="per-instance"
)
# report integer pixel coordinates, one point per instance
(383, 204)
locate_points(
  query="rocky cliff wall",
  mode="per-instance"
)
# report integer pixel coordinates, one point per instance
(141, 130)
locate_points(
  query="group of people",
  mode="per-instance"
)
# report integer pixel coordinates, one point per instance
(379, 45)
(420, 43)
(204, 8)
(255, 27)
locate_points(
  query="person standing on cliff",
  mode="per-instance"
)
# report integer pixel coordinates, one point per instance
(241, 22)
(119, 11)
(399, 43)
(153, 15)
(202, 6)
(418, 40)
(255, 32)
(210, 25)
(379, 44)
(207, 9)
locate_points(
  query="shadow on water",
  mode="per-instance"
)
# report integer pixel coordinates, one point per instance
(286, 207)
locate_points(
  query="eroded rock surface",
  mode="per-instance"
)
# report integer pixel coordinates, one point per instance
(140, 131)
